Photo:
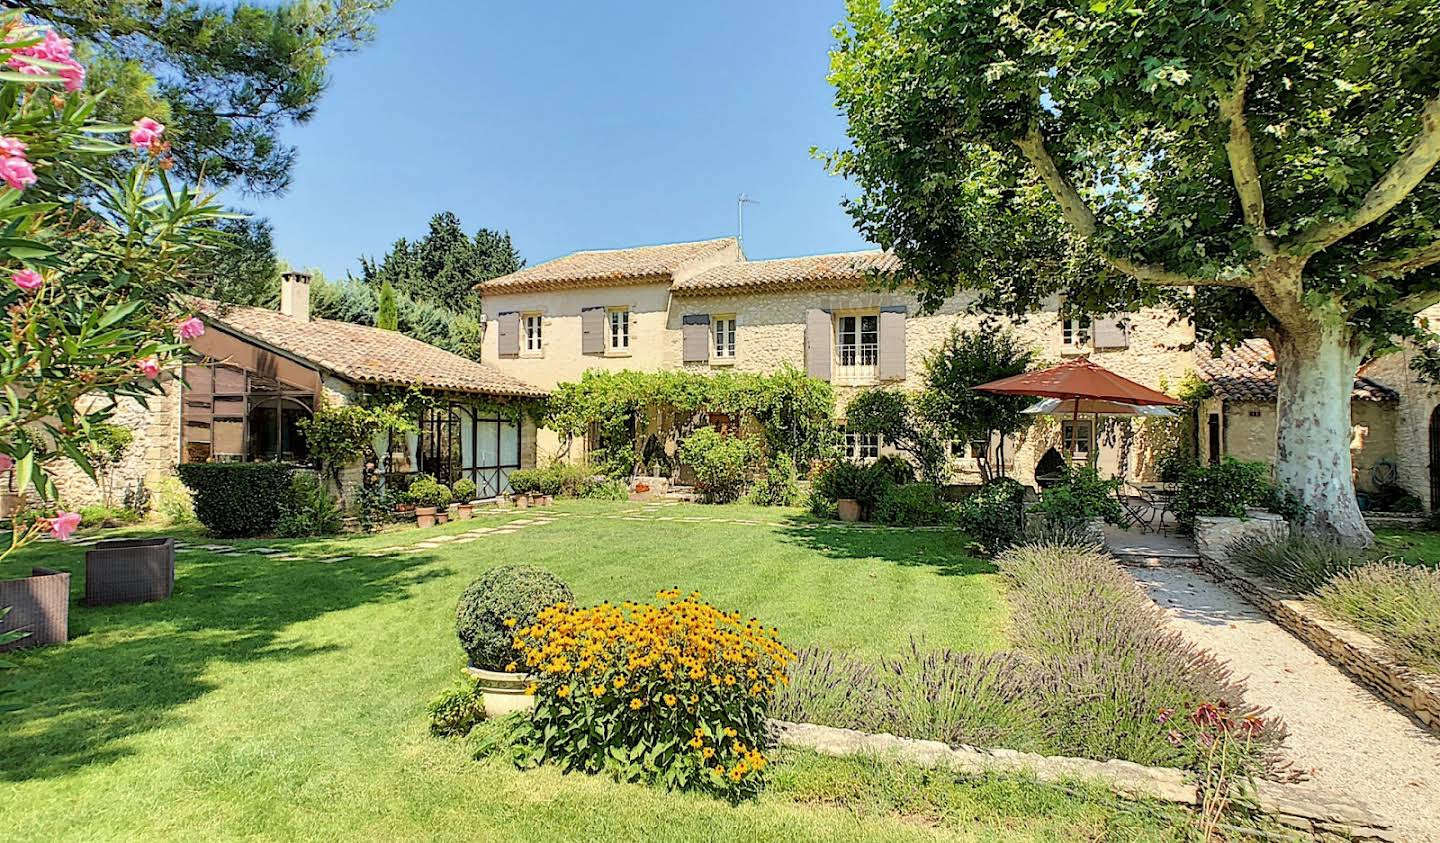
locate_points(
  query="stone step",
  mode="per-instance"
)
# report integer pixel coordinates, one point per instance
(1156, 559)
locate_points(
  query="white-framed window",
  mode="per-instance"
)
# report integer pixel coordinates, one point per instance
(857, 347)
(617, 331)
(1075, 332)
(722, 333)
(533, 326)
(862, 446)
(1077, 436)
(957, 449)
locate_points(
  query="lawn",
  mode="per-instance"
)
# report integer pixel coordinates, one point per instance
(1417, 547)
(285, 700)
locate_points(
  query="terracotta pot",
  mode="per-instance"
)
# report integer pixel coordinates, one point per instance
(442, 517)
(425, 516)
(849, 509)
(502, 693)
(521, 501)
(464, 512)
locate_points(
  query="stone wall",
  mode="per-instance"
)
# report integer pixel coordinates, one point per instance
(1358, 654)
(1214, 535)
(151, 456)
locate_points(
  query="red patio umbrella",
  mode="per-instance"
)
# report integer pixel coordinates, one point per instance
(1077, 380)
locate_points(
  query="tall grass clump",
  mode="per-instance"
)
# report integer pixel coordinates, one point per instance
(1299, 562)
(1397, 603)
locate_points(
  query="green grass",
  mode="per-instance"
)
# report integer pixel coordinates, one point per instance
(1414, 547)
(285, 700)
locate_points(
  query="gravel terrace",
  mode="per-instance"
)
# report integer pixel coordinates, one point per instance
(1346, 737)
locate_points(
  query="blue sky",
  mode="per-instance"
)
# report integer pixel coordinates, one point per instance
(574, 125)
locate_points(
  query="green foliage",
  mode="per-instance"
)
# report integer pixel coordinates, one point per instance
(99, 515)
(173, 502)
(528, 481)
(779, 484)
(427, 491)
(913, 505)
(1397, 603)
(722, 463)
(895, 417)
(843, 479)
(499, 602)
(896, 469)
(992, 516)
(608, 490)
(963, 361)
(456, 710)
(105, 447)
(387, 312)
(463, 490)
(344, 435)
(1078, 496)
(443, 267)
(1298, 562)
(243, 269)
(1228, 488)
(237, 499)
(309, 509)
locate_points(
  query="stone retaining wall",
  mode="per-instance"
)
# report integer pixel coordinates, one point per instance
(1214, 534)
(1358, 654)
(1324, 814)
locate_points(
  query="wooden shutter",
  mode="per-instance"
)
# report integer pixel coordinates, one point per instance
(1109, 332)
(695, 338)
(818, 331)
(509, 341)
(592, 330)
(892, 343)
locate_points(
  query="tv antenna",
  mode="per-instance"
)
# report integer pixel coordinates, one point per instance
(740, 202)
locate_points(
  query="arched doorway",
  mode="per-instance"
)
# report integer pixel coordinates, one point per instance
(1434, 458)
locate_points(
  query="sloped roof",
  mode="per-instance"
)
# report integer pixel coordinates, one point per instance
(361, 354)
(1247, 373)
(814, 272)
(608, 267)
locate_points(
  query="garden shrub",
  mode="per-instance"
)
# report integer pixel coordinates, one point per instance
(173, 502)
(463, 490)
(99, 515)
(308, 509)
(1228, 488)
(1397, 603)
(1079, 496)
(913, 505)
(456, 710)
(1299, 562)
(675, 693)
(992, 516)
(497, 603)
(608, 490)
(573, 480)
(427, 491)
(894, 468)
(779, 485)
(721, 463)
(237, 499)
(844, 479)
(527, 481)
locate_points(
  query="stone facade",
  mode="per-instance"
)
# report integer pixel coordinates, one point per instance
(151, 456)
(1215, 535)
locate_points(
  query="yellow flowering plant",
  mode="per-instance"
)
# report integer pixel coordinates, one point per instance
(674, 692)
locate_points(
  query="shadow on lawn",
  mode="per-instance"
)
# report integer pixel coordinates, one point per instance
(946, 551)
(126, 667)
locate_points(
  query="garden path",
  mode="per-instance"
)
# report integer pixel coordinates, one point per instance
(1345, 737)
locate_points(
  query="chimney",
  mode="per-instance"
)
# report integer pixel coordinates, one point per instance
(295, 295)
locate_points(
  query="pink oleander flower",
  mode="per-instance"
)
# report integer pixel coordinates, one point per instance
(192, 328)
(17, 172)
(18, 64)
(74, 75)
(27, 279)
(150, 366)
(53, 48)
(145, 133)
(62, 525)
(7, 462)
(12, 148)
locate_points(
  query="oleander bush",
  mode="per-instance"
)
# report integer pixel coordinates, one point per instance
(1079, 496)
(497, 603)
(1227, 489)
(237, 499)
(456, 710)
(913, 505)
(674, 693)
(426, 491)
(1397, 603)
(992, 517)
(1299, 562)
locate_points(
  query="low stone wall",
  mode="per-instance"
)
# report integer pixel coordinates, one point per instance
(1394, 519)
(1321, 813)
(1214, 534)
(1358, 654)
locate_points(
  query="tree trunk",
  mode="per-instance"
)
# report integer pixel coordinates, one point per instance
(1315, 375)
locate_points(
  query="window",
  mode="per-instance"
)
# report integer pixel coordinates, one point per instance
(857, 348)
(862, 446)
(724, 334)
(233, 414)
(957, 449)
(1078, 437)
(1075, 332)
(619, 332)
(533, 324)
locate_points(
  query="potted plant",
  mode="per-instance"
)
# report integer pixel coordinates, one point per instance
(428, 496)
(464, 491)
(499, 602)
(524, 483)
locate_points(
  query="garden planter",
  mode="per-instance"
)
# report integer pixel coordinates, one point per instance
(521, 501)
(129, 571)
(442, 517)
(502, 693)
(453, 512)
(464, 512)
(40, 605)
(849, 509)
(425, 516)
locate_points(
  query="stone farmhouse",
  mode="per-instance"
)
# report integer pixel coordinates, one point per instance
(704, 306)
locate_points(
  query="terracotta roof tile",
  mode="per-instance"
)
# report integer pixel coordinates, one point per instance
(1247, 373)
(815, 272)
(609, 267)
(361, 354)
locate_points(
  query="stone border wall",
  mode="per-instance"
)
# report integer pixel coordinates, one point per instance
(1358, 654)
(1322, 813)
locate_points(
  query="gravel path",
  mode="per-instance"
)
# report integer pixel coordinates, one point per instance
(1349, 740)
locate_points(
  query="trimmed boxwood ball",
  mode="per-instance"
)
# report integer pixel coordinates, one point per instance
(509, 591)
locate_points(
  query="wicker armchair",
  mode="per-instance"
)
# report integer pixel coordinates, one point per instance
(129, 571)
(40, 606)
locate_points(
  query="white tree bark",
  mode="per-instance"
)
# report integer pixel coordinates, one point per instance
(1315, 374)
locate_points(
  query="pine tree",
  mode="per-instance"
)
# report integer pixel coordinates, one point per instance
(387, 311)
